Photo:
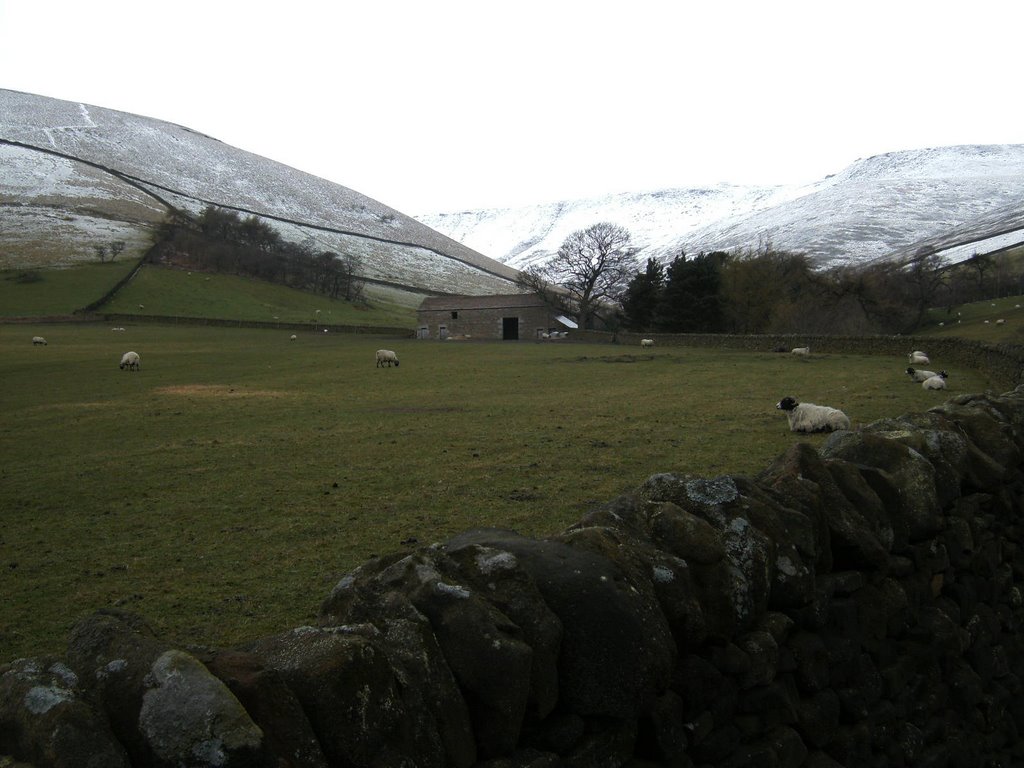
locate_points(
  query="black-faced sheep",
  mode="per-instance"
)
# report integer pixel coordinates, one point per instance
(807, 417)
(131, 361)
(386, 356)
(918, 357)
(38, 341)
(938, 381)
(917, 375)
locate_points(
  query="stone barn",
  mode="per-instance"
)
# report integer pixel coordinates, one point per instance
(507, 316)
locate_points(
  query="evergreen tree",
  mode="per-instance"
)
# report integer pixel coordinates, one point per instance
(642, 296)
(691, 301)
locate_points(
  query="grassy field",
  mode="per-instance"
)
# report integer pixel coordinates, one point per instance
(977, 321)
(28, 293)
(223, 489)
(176, 292)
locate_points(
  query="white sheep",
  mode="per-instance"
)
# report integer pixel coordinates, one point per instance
(386, 356)
(807, 417)
(802, 351)
(918, 358)
(938, 381)
(293, 337)
(38, 341)
(918, 375)
(1000, 322)
(131, 361)
(646, 342)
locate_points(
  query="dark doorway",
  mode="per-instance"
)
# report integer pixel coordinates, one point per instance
(510, 328)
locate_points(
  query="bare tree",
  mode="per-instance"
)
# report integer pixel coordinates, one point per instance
(592, 266)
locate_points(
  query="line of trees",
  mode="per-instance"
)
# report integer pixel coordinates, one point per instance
(754, 290)
(221, 240)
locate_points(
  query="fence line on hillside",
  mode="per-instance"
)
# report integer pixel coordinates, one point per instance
(121, 318)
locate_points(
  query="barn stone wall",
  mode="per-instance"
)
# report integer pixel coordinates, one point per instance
(485, 323)
(857, 605)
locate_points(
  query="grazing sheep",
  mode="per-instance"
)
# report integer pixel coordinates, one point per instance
(918, 358)
(917, 375)
(130, 360)
(646, 342)
(938, 381)
(807, 417)
(1000, 322)
(293, 337)
(386, 356)
(38, 340)
(802, 351)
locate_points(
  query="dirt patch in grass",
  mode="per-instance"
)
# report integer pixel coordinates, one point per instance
(217, 390)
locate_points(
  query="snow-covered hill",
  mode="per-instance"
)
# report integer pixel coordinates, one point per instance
(74, 176)
(883, 207)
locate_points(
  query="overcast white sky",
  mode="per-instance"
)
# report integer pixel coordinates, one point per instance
(445, 105)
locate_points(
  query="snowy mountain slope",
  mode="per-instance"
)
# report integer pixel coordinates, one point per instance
(75, 176)
(876, 208)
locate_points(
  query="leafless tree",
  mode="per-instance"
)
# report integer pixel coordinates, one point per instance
(592, 267)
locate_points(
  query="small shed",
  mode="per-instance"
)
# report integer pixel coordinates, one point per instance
(503, 316)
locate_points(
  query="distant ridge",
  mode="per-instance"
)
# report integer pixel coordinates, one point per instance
(884, 207)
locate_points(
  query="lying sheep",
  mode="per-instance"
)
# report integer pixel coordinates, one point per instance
(130, 360)
(918, 375)
(646, 342)
(38, 340)
(807, 417)
(918, 357)
(386, 356)
(802, 351)
(938, 381)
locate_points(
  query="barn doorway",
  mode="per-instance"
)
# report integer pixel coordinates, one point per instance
(510, 328)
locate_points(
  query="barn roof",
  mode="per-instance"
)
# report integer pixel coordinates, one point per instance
(494, 301)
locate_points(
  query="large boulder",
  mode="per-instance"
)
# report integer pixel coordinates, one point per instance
(164, 706)
(617, 651)
(346, 685)
(909, 474)
(45, 720)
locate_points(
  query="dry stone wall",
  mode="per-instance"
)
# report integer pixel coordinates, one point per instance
(1003, 362)
(858, 605)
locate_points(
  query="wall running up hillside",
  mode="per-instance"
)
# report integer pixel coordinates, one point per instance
(857, 606)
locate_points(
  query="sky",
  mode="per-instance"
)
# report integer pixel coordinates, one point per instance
(433, 106)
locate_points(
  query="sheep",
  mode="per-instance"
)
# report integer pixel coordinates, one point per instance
(130, 360)
(38, 341)
(386, 356)
(917, 375)
(802, 351)
(938, 381)
(293, 337)
(1000, 322)
(918, 358)
(646, 342)
(807, 417)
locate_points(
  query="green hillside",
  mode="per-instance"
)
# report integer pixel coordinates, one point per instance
(159, 290)
(979, 321)
(57, 291)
